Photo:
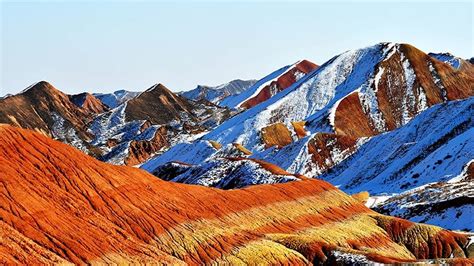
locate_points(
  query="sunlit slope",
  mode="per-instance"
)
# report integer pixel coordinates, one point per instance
(75, 208)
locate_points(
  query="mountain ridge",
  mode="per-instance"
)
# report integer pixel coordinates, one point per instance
(338, 108)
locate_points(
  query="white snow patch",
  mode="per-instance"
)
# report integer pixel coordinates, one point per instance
(377, 78)
(408, 99)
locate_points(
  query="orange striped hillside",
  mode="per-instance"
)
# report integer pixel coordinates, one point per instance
(58, 205)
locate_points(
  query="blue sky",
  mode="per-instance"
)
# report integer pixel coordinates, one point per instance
(100, 47)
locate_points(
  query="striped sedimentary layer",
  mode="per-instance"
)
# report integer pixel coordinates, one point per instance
(59, 205)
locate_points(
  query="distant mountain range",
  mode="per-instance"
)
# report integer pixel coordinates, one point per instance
(116, 98)
(219, 93)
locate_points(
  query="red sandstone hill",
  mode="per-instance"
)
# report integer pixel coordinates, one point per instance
(60, 205)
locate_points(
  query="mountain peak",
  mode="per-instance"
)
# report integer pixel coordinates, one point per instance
(159, 105)
(40, 86)
(88, 102)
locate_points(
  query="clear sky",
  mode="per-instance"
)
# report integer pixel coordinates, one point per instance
(102, 47)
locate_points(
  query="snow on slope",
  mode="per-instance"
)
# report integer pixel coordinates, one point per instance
(447, 58)
(448, 204)
(434, 146)
(419, 169)
(317, 91)
(115, 98)
(112, 126)
(66, 134)
(223, 173)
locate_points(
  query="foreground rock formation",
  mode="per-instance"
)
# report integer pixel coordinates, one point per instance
(59, 205)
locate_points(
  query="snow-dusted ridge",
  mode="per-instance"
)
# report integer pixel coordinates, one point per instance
(317, 91)
(234, 101)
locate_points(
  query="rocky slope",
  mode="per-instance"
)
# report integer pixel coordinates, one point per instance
(44, 108)
(159, 106)
(218, 93)
(59, 205)
(89, 103)
(327, 115)
(139, 127)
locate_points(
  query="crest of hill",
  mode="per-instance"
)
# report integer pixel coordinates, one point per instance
(158, 105)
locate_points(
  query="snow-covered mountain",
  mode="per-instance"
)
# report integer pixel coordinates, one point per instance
(218, 93)
(335, 111)
(150, 123)
(116, 98)
(357, 94)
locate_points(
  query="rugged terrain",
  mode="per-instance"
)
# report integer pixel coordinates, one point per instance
(150, 123)
(137, 127)
(44, 108)
(58, 205)
(388, 120)
(335, 113)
